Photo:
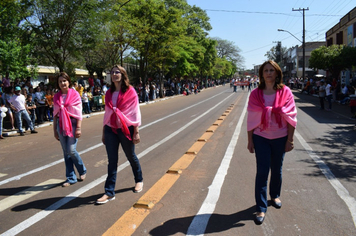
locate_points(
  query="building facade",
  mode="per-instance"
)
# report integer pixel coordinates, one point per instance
(292, 61)
(344, 33)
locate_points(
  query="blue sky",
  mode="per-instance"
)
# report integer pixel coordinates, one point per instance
(252, 24)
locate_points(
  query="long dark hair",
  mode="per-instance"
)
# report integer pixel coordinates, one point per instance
(125, 82)
(279, 79)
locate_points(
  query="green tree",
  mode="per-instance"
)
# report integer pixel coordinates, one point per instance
(61, 30)
(15, 50)
(228, 49)
(276, 53)
(334, 58)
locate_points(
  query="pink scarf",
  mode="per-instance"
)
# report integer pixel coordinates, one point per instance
(72, 107)
(126, 111)
(283, 107)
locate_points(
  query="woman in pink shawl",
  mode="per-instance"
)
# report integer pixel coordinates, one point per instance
(121, 121)
(67, 121)
(271, 121)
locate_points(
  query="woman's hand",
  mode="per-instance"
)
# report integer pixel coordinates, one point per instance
(251, 147)
(136, 138)
(78, 133)
(289, 146)
(56, 136)
(103, 139)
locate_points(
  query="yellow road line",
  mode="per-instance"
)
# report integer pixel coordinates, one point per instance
(27, 193)
(131, 219)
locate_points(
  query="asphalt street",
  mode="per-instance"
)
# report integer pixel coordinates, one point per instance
(198, 175)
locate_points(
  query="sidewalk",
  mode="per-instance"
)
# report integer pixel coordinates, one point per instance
(339, 109)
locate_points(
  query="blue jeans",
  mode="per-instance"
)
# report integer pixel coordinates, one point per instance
(23, 114)
(86, 107)
(269, 156)
(112, 142)
(329, 97)
(71, 155)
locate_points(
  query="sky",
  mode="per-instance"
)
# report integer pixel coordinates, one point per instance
(253, 24)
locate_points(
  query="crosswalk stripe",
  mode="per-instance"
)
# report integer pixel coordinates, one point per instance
(28, 193)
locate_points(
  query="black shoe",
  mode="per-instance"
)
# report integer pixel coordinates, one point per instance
(259, 219)
(34, 132)
(277, 205)
(22, 134)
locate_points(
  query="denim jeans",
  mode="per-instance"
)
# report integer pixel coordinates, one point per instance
(86, 107)
(33, 119)
(112, 142)
(329, 97)
(269, 156)
(23, 114)
(71, 155)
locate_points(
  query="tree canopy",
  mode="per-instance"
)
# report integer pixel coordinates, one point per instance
(334, 58)
(163, 37)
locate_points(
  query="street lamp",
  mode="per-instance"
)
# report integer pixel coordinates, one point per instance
(303, 45)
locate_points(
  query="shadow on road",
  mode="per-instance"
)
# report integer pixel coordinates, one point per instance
(338, 153)
(63, 202)
(217, 223)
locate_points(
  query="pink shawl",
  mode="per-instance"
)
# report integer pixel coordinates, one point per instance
(72, 107)
(127, 110)
(283, 107)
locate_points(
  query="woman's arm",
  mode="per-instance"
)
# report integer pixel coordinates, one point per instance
(290, 144)
(136, 135)
(78, 130)
(56, 136)
(250, 144)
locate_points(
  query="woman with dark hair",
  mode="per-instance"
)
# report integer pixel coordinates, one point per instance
(121, 121)
(67, 122)
(271, 121)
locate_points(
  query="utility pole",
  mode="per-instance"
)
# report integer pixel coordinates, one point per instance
(303, 9)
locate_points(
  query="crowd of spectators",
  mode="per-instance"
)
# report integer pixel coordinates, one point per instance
(151, 90)
(39, 98)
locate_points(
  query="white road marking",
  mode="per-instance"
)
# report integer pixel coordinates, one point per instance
(28, 193)
(18, 177)
(200, 221)
(42, 214)
(340, 189)
(2, 175)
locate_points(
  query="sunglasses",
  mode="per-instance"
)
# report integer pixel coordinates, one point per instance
(115, 72)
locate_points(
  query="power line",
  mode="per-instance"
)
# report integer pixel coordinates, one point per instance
(267, 13)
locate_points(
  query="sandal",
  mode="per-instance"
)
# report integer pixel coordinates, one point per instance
(66, 184)
(82, 177)
(138, 187)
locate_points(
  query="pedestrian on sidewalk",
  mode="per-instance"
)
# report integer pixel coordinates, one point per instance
(329, 94)
(271, 121)
(322, 94)
(18, 105)
(67, 122)
(121, 121)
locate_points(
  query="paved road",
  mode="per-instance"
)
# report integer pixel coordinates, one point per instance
(209, 186)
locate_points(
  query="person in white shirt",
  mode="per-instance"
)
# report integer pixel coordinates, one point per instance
(329, 95)
(18, 104)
